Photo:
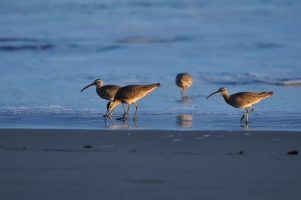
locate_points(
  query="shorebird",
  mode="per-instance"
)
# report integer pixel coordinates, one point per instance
(184, 81)
(130, 94)
(106, 92)
(242, 100)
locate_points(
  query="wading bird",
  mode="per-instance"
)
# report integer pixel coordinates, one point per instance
(106, 92)
(242, 100)
(184, 81)
(130, 94)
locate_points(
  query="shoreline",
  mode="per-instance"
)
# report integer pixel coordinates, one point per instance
(186, 122)
(136, 130)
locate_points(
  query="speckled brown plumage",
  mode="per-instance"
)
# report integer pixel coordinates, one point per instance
(106, 92)
(242, 100)
(184, 81)
(131, 94)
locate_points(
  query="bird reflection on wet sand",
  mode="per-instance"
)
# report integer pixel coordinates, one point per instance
(111, 123)
(184, 100)
(244, 125)
(188, 99)
(184, 120)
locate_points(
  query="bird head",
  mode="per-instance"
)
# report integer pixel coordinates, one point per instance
(222, 90)
(111, 105)
(97, 82)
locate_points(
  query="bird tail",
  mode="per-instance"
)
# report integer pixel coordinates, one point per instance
(151, 87)
(270, 93)
(266, 94)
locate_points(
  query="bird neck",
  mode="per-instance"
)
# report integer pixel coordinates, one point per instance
(114, 103)
(226, 96)
(99, 84)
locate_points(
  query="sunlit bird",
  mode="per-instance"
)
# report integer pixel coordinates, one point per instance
(130, 94)
(242, 100)
(184, 81)
(106, 92)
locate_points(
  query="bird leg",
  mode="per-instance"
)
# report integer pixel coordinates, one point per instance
(136, 109)
(108, 114)
(136, 123)
(247, 118)
(244, 116)
(182, 93)
(125, 114)
(123, 108)
(251, 109)
(106, 122)
(248, 111)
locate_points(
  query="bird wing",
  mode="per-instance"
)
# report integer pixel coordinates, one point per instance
(246, 99)
(108, 91)
(135, 91)
(184, 80)
(131, 91)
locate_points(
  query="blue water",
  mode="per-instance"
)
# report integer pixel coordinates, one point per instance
(49, 50)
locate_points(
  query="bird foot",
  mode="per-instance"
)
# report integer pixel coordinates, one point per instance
(244, 119)
(108, 116)
(245, 126)
(123, 118)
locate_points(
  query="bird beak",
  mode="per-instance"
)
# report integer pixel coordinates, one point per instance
(88, 86)
(212, 94)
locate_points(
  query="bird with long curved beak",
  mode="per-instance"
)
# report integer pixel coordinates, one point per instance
(242, 100)
(130, 94)
(106, 92)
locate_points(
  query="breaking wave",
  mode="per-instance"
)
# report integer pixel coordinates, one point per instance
(246, 79)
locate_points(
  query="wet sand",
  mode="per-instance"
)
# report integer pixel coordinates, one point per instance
(145, 164)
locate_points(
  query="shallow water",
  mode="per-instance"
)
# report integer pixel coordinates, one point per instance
(50, 50)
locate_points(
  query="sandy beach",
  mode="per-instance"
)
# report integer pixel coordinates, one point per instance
(146, 164)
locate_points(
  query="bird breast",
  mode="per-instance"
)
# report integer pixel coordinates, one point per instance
(184, 80)
(108, 91)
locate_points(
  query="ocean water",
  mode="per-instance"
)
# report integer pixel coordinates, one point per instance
(49, 50)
